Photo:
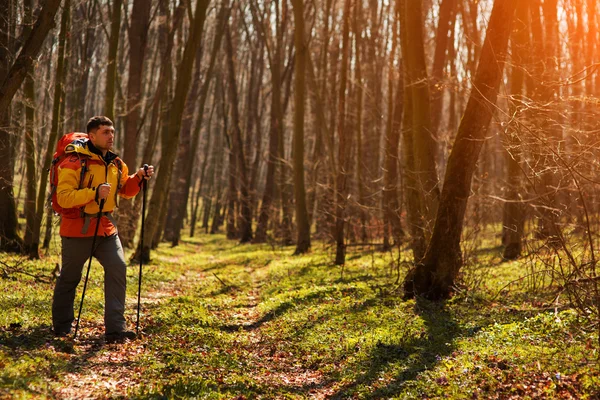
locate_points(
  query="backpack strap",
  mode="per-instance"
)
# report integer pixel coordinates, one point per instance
(119, 165)
(84, 168)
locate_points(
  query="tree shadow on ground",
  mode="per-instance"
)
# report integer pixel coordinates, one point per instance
(17, 342)
(416, 355)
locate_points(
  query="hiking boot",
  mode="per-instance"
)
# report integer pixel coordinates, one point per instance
(119, 337)
(61, 332)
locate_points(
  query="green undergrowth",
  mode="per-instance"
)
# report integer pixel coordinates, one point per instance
(222, 320)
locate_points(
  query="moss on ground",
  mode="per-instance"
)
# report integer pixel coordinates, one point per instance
(222, 320)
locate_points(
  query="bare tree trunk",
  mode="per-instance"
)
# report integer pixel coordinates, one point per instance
(548, 56)
(30, 248)
(303, 226)
(237, 147)
(159, 102)
(393, 201)
(514, 211)
(344, 143)
(111, 69)
(360, 162)
(11, 78)
(424, 145)
(88, 17)
(56, 108)
(186, 157)
(447, 18)
(184, 73)
(138, 39)
(435, 276)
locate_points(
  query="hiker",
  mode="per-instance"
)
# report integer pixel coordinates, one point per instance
(79, 193)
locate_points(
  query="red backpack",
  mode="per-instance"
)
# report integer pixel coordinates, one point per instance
(76, 138)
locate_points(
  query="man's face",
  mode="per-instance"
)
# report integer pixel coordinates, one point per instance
(103, 137)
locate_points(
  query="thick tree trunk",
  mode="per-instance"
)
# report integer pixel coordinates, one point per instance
(435, 276)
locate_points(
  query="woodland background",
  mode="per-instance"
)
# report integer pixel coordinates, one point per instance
(405, 124)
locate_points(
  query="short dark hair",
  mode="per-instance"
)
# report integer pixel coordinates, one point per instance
(98, 121)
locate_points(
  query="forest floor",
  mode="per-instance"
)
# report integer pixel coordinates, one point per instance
(227, 321)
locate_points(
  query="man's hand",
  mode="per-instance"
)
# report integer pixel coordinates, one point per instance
(145, 173)
(103, 191)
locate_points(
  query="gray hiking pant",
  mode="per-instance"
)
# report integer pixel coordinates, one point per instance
(75, 254)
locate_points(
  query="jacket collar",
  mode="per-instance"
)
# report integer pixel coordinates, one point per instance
(110, 156)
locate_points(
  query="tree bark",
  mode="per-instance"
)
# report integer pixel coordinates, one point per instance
(29, 90)
(245, 227)
(514, 211)
(303, 226)
(111, 69)
(435, 276)
(12, 77)
(184, 72)
(344, 145)
(276, 123)
(59, 82)
(447, 18)
(424, 145)
(138, 39)
(186, 157)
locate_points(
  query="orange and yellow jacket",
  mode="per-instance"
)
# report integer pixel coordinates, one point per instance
(79, 218)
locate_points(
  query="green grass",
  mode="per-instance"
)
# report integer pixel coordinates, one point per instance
(222, 320)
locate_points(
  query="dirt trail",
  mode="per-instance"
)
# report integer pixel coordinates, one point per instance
(283, 370)
(100, 370)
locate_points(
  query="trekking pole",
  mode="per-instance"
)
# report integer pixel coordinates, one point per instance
(144, 184)
(89, 265)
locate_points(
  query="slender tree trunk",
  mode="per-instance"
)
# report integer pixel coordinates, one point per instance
(436, 275)
(179, 190)
(303, 226)
(424, 145)
(159, 103)
(111, 69)
(447, 18)
(186, 157)
(391, 194)
(138, 39)
(11, 78)
(514, 211)
(56, 108)
(9, 237)
(344, 143)
(237, 147)
(359, 119)
(30, 152)
(184, 73)
(548, 52)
